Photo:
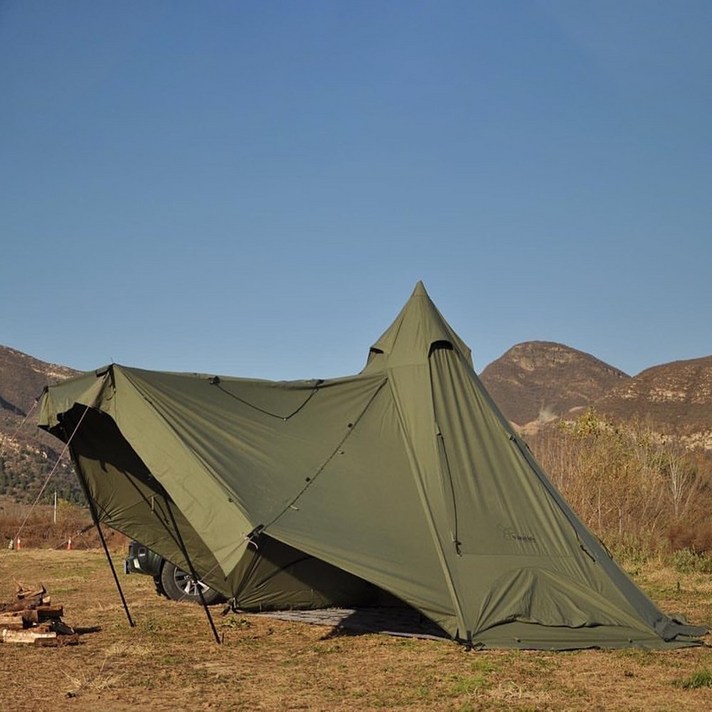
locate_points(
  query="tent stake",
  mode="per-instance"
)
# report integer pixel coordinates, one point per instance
(193, 573)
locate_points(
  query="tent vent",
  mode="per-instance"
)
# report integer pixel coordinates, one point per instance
(441, 344)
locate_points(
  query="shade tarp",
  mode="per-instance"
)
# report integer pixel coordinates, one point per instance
(404, 479)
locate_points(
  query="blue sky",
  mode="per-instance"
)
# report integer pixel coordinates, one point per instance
(254, 188)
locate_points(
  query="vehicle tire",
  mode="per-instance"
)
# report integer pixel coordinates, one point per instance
(179, 585)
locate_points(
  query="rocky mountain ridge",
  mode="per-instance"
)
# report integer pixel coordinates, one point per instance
(27, 454)
(537, 382)
(673, 397)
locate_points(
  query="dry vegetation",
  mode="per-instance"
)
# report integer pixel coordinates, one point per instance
(49, 528)
(170, 661)
(642, 494)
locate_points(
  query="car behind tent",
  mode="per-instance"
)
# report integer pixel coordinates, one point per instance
(404, 479)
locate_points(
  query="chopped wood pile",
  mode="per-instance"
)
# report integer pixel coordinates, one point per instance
(31, 618)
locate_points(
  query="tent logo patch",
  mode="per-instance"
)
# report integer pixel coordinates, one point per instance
(512, 535)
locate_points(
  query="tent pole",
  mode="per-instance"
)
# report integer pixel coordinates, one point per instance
(193, 573)
(111, 564)
(95, 519)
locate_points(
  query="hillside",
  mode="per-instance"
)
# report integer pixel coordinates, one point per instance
(27, 454)
(674, 398)
(538, 381)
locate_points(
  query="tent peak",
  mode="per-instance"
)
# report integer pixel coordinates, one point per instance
(409, 339)
(420, 290)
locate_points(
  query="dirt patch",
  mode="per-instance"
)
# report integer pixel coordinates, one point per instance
(170, 660)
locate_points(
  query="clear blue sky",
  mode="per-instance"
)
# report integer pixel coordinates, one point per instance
(254, 187)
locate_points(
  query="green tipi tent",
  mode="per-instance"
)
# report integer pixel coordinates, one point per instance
(404, 478)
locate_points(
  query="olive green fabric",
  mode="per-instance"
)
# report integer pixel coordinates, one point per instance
(277, 577)
(404, 478)
(126, 495)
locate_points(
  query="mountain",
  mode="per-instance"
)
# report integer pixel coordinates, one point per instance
(23, 377)
(538, 381)
(674, 398)
(27, 454)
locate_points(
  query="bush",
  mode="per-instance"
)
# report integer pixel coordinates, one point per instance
(687, 561)
(638, 492)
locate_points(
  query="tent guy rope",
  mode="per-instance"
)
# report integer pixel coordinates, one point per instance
(50, 475)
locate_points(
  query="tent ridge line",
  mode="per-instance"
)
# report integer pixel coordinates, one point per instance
(309, 481)
(215, 381)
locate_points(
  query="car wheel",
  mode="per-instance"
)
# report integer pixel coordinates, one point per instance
(179, 585)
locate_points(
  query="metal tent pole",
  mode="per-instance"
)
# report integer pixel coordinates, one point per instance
(193, 573)
(95, 519)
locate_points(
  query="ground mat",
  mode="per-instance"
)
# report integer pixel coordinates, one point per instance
(405, 622)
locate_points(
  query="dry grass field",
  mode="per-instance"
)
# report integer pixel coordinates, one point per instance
(170, 661)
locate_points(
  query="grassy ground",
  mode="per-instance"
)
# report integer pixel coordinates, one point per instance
(170, 661)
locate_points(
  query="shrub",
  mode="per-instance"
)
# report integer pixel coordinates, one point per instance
(637, 491)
